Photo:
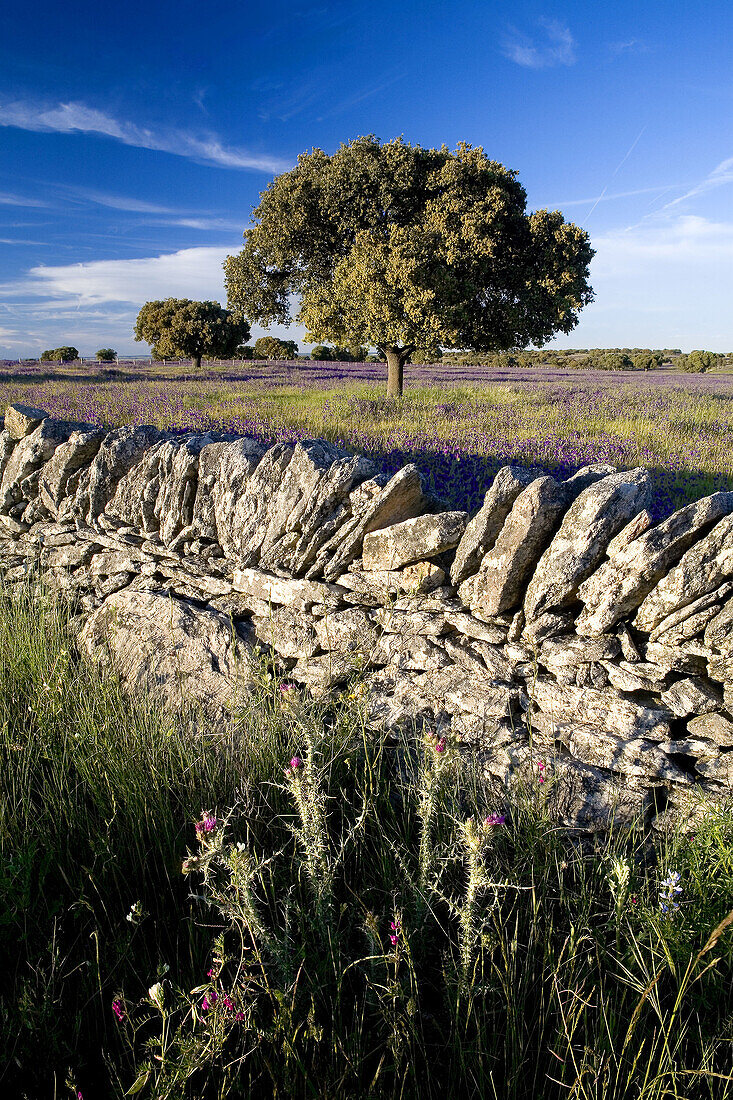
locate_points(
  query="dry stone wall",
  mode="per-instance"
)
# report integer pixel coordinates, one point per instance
(558, 631)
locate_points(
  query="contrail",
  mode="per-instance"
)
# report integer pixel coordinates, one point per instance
(616, 169)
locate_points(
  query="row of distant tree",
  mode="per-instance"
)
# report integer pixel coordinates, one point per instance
(269, 348)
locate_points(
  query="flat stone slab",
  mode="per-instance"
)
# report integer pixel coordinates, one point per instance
(413, 539)
(21, 420)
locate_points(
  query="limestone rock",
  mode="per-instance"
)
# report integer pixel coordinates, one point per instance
(393, 621)
(407, 542)
(519, 546)
(623, 679)
(183, 655)
(30, 453)
(7, 446)
(691, 619)
(455, 687)
(721, 669)
(483, 530)
(347, 631)
(627, 756)
(322, 513)
(572, 650)
(705, 566)
(77, 452)
(619, 585)
(713, 727)
(609, 711)
(691, 696)
(21, 420)
(323, 672)
(224, 468)
(420, 576)
(578, 548)
(689, 659)
(288, 631)
(409, 652)
(293, 592)
(119, 452)
(401, 498)
(719, 631)
(313, 486)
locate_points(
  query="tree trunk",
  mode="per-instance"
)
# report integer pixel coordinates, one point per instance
(197, 362)
(396, 359)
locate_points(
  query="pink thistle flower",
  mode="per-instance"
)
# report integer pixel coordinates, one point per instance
(495, 819)
(286, 687)
(441, 745)
(294, 767)
(118, 1009)
(208, 825)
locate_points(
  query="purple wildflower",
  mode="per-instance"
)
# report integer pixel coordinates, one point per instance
(118, 1009)
(208, 825)
(495, 819)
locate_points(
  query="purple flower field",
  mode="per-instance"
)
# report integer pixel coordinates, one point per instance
(458, 423)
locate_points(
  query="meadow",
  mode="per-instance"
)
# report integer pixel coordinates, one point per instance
(458, 423)
(293, 904)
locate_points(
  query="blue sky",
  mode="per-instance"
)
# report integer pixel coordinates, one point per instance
(135, 139)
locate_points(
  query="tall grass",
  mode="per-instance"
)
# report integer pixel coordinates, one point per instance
(355, 918)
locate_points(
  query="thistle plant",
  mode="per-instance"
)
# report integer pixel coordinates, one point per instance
(311, 830)
(437, 765)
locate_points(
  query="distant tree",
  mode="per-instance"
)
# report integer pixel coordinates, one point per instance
(615, 360)
(106, 355)
(698, 361)
(398, 247)
(244, 351)
(66, 354)
(179, 327)
(269, 347)
(322, 353)
(647, 361)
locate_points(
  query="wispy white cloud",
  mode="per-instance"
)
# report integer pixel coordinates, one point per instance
(19, 200)
(122, 202)
(720, 175)
(189, 273)
(94, 304)
(555, 46)
(616, 195)
(69, 118)
(631, 45)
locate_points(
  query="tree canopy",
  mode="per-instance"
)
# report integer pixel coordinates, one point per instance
(106, 355)
(399, 247)
(65, 354)
(270, 347)
(179, 327)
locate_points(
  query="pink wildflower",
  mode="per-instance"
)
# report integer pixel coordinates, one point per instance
(205, 1006)
(228, 1003)
(396, 926)
(495, 819)
(208, 825)
(118, 1009)
(541, 768)
(441, 745)
(293, 767)
(239, 1016)
(286, 687)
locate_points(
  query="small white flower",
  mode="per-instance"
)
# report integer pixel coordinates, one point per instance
(156, 995)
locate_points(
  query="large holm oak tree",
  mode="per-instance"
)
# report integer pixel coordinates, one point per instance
(399, 247)
(179, 327)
